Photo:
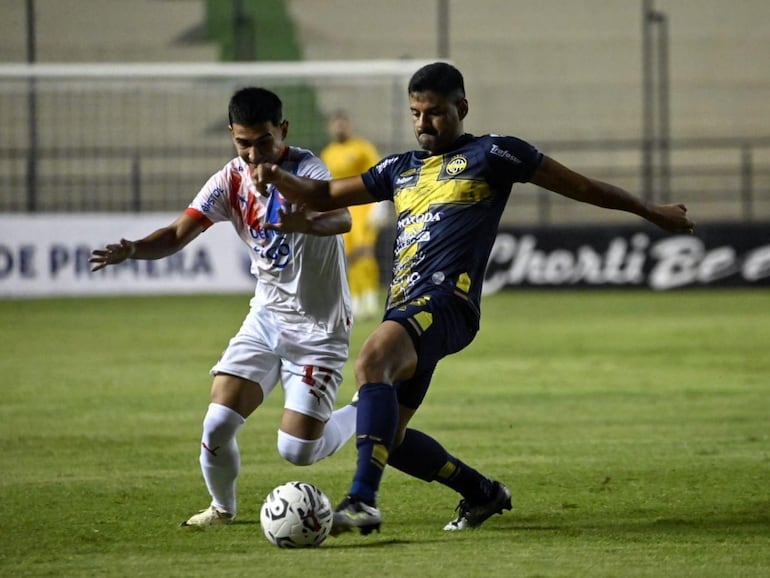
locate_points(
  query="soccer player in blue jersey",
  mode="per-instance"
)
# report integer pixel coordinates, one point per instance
(449, 197)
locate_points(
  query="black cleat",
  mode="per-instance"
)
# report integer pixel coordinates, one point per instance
(353, 513)
(473, 515)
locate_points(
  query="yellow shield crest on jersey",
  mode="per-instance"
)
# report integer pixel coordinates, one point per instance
(456, 165)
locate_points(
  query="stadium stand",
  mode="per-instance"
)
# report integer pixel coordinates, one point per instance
(108, 31)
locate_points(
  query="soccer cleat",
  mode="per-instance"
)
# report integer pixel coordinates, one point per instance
(472, 516)
(353, 513)
(211, 516)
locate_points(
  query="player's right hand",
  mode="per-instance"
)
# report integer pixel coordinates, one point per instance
(112, 254)
(672, 218)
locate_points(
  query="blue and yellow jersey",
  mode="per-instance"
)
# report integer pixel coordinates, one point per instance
(449, 208)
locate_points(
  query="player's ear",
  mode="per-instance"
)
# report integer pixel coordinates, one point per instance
(284, 129)
(462, 108)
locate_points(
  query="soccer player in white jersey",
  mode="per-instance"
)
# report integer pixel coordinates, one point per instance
(297, 331)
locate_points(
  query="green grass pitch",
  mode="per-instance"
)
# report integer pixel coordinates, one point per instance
(631, 426)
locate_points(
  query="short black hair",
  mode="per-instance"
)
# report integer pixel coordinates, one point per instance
(439, 77)
(253, 105)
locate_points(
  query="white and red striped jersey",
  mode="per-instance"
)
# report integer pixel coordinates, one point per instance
(296, 272)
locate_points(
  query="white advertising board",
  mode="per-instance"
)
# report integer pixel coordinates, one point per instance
(47, 255)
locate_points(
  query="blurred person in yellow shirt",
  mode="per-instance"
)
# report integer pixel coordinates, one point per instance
(350, 155)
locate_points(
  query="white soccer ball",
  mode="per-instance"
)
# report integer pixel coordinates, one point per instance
(296, 515)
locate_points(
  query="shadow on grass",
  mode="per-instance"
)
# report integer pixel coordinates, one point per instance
(340, 542)
(745, 521)
(331, 543)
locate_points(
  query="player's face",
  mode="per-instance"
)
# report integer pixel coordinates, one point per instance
(259, 143)
(339, 129)
(438, 120)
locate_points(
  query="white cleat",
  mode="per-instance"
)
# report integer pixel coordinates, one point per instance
(211, 516)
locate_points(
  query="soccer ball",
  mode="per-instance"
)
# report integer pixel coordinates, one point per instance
(296, 515)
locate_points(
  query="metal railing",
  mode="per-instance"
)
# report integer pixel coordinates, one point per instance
(720, 179)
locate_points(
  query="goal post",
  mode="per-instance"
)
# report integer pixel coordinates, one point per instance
(318, 70)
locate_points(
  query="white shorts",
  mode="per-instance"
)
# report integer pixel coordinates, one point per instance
(305, 358)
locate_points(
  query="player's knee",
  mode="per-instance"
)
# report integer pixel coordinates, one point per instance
(371, 366)
(398, 439)
(298, 451)
(220, 424)
(388, 357)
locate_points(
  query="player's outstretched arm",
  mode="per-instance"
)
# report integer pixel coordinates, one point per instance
(158, 244)
(314, 194)
(557, 178)
(298, 220)
(335, 222)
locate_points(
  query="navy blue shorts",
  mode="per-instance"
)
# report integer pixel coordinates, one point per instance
(439, 324)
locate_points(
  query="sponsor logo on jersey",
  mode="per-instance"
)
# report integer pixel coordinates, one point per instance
(413, 279)
(406, 178)
(401, 181)
(412, 263)
(384, 164)
(502, 153)
(211, 199)
(456, 165)
(429, 217)
(424, 237)
(277, 254)
(408, 238)
(400, 287)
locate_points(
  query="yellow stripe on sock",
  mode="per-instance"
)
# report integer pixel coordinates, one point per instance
(380, 455)
(446, 471)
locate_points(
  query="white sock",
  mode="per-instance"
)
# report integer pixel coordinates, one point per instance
(339, 429)
(220, 458)
(298, 451)
(370, 303)
(356, 304)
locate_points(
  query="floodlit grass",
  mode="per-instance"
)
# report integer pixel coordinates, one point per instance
(631, 426)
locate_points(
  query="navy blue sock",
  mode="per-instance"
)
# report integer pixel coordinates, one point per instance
(376, 423)
(423, 457)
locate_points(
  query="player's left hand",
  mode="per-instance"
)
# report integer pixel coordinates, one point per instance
(672, 218)
(291, 219)
(265, 174)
